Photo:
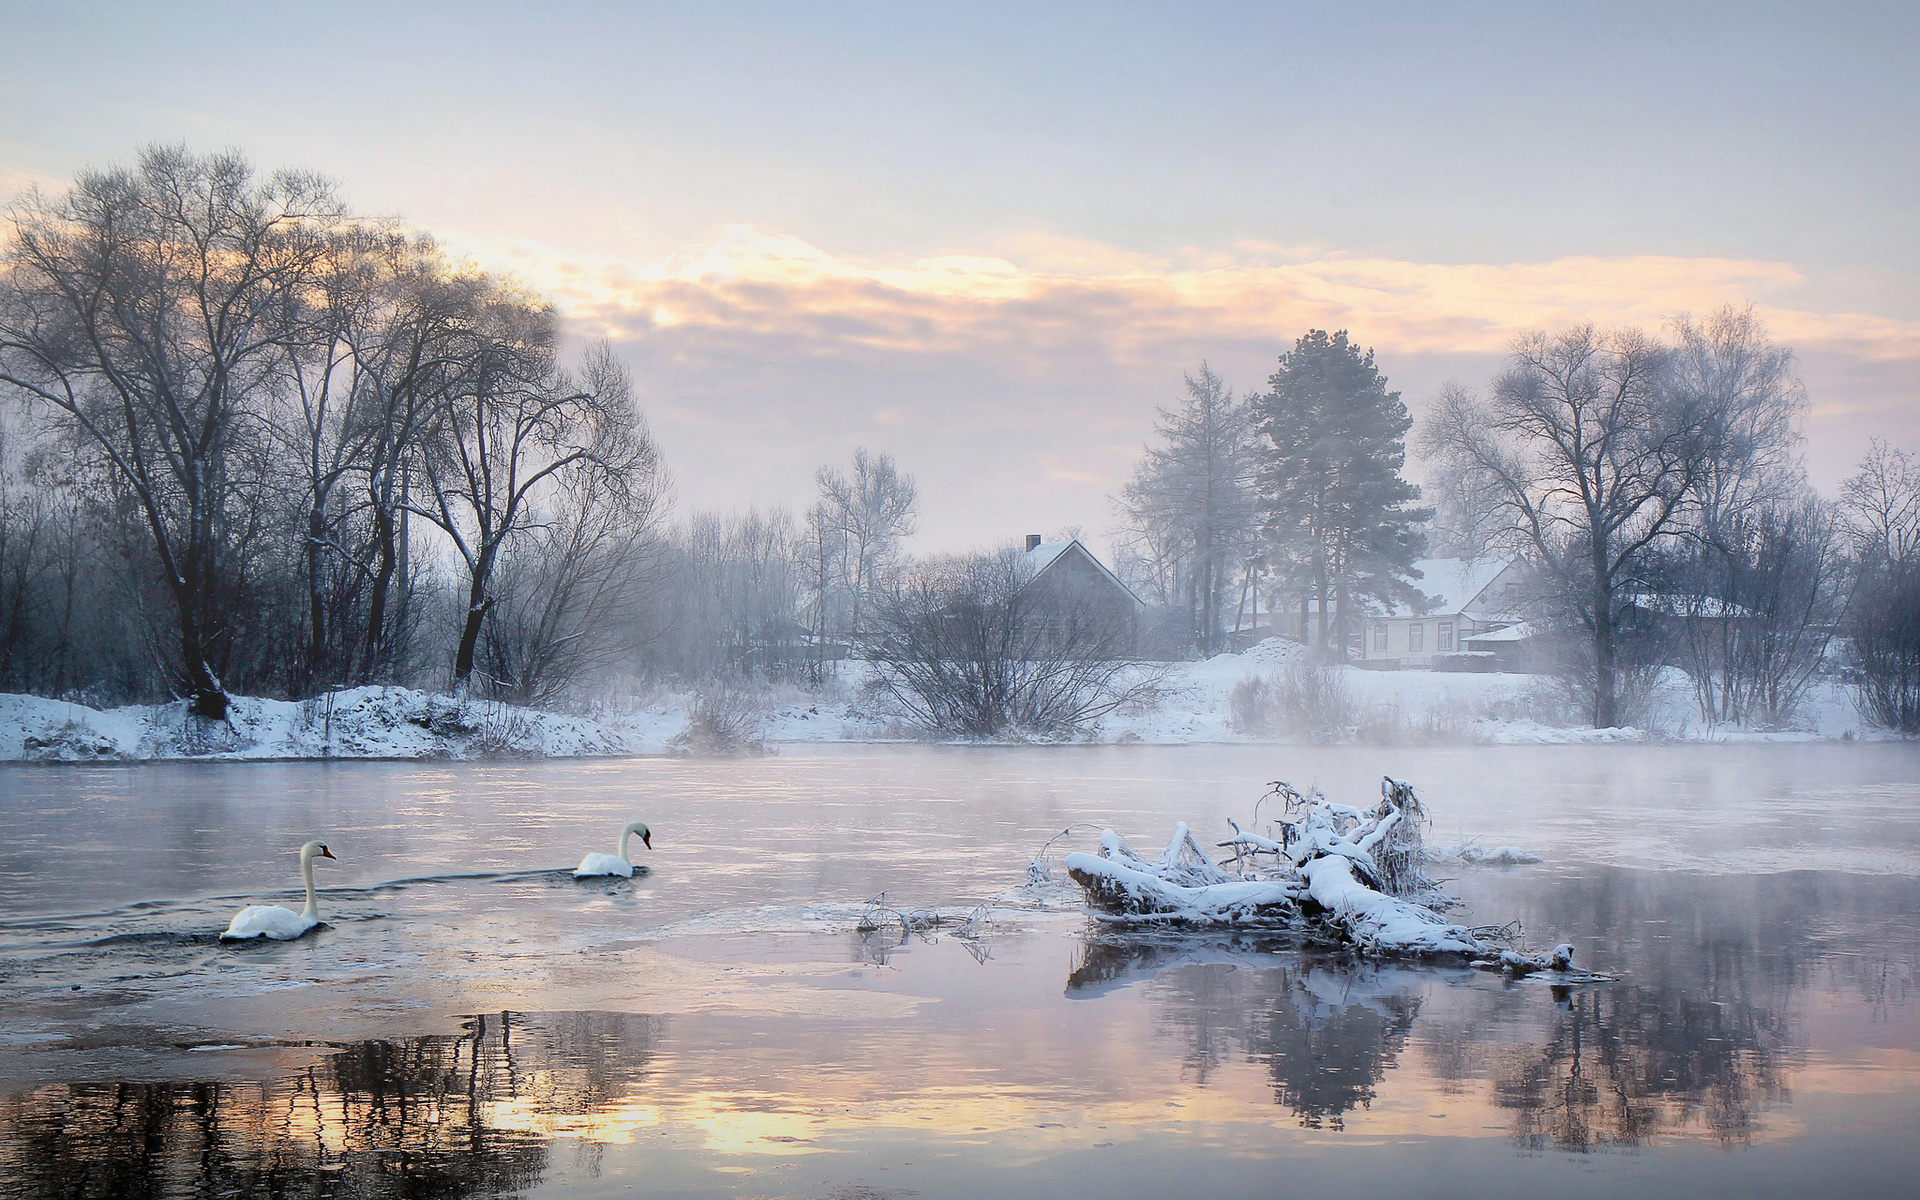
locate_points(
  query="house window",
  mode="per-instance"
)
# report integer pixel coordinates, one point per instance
(1380, 637)
(1446, 636)
(1417, 636)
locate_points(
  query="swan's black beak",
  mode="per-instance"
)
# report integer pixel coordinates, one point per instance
(647, 838)
(326, 853)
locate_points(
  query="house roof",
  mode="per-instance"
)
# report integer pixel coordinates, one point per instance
(1453, 583)
(1047, 553)
(1512, 633)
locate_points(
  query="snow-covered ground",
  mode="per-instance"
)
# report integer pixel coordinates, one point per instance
(1195, 704)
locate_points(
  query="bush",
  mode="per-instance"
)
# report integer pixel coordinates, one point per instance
(720, 722)
(967, 648)
(1302, 700)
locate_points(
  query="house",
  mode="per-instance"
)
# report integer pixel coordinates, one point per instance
(1068, 576)
(1468, 596)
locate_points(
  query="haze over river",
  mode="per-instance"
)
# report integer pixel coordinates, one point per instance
(473, 1021)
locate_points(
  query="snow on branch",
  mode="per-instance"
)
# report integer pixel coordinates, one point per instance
(1334, 872)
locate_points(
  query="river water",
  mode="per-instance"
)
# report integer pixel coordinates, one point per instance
(472, 1021)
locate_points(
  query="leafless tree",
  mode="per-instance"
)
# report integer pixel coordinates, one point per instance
(1756, 607)
(569, 591)
(512, 423)
(822, 566)
(1590, 456)
(1187, 515)
(971, 647)
(1882, 502)
(872, 509)
(1749, 402)
(147, 307)
(732, 598)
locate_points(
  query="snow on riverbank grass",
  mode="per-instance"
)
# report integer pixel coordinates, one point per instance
(1197, 704)
(364, 722)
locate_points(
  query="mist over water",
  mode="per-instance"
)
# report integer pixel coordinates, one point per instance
(473, 1021)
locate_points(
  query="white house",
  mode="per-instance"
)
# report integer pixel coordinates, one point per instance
(1470, 596)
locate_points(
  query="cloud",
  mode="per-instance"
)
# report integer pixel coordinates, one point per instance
(1020, 384)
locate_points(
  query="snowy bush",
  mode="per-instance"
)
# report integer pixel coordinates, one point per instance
(1301, 700)
(720, 722)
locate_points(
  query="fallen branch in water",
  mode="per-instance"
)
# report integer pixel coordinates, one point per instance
(1347, 875)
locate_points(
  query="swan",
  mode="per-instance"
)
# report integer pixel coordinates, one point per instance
(282, 924)
(615, 863)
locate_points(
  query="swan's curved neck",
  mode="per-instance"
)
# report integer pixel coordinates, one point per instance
(313, 899)
(620, 852)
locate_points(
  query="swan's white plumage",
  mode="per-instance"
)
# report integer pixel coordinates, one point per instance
(269, 921)
(282, 924)
(601, 864)
(616, 863)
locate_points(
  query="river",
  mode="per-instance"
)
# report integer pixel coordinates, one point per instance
(472, 1021)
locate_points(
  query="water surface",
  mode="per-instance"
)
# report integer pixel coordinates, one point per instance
(473, 1021)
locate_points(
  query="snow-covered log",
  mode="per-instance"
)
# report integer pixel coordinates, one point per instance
(1374, 921)
(1346, 874)
(1119, 892)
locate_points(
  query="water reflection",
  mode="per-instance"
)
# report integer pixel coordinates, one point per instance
(448, 1115)
(1326, 1031)
(1621, 1065)
(1573, 1069)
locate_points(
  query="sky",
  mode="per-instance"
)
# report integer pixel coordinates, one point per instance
(990, 239)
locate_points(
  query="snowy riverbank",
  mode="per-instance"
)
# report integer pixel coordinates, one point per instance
(1196, 704)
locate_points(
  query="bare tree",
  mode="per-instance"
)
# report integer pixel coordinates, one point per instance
(570, 589)
(1590, 456)
(821, 568)
(1756, 607)
(872, 509)
(146, 307)
(971, 647)
(1748, 402)
(1188, 513)
(733, 597)
(1882, 502)
(508, 427)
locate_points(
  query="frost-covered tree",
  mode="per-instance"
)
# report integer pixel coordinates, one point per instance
(1882, 504)
(147, 308)
(871, 510)
(1597, 448)
(1187, 515)
(513, 426)
(1340, 519)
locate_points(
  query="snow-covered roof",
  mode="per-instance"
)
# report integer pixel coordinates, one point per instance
(1047, 553)
(1041, 557)
(1452, 583)
(1512, 633)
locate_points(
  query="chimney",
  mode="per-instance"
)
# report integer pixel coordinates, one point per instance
(1033, 541)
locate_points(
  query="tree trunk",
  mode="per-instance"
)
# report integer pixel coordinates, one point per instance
(385, 561)
(1605, 693)
(209, 698)
(478, 602)
(316, 599)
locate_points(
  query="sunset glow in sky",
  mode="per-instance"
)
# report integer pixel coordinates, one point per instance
(990, 239)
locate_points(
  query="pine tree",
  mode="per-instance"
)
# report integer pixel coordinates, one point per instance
(1337, 514)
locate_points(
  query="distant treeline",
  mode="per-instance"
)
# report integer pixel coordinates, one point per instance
(250, 440)
(1652, 488)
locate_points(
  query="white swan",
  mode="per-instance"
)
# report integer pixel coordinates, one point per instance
(282, 924)
(615, 863)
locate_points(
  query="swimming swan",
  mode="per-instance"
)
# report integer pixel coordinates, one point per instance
(616, 863)
(282, 924)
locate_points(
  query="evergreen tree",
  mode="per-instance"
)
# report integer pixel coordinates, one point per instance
(1332, 441)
